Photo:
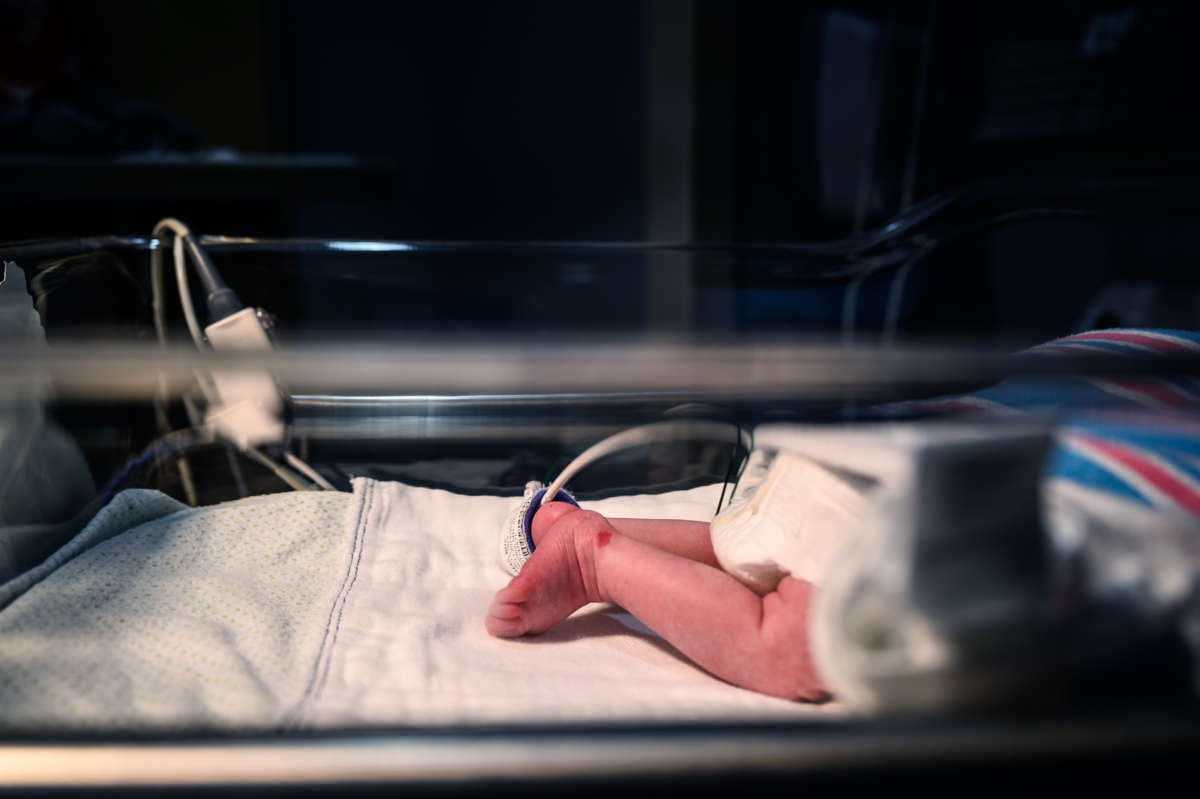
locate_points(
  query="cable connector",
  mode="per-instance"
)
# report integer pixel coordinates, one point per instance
(221, 300)
(222, 304)
(247, 423)
(249, 408)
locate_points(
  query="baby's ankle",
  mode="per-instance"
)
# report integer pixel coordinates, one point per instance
(587, 544)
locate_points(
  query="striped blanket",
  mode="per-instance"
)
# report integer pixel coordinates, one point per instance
(1137, 439)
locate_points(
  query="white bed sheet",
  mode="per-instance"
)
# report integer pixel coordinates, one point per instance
(407, 642)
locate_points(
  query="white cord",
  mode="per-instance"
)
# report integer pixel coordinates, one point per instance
(308, 471)
(235, 468)
(185, 293)
(646, 434)
(189, 314)
(160, 329)
(286, 475)
(203, 379)
(156, 293)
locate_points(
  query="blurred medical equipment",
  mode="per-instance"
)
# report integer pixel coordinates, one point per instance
(244, 409)
(982, 579)
(43, 476)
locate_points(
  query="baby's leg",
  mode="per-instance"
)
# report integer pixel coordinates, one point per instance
(756, 642)
(684, 538)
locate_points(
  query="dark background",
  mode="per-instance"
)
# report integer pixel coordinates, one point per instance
(614, 120)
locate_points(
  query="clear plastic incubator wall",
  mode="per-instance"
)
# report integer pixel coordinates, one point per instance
(259, 527)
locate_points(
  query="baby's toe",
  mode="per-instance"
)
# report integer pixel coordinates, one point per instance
(505, 610)
(506, 621)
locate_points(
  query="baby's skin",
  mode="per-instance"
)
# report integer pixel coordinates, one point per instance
(664, 572)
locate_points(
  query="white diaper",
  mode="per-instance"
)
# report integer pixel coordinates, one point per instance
(790, 515)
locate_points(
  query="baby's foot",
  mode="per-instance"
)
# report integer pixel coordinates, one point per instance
(555, 582)
(518, 538)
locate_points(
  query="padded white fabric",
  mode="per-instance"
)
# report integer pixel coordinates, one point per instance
(411, 647)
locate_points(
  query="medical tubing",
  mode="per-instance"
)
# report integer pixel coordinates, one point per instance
(160, 329)
(235, 469)
(283, 473)
(221, 302)
(177, 441)
(742, 468)
(729, 469)
(185, 294)
(646, 434)
(220, 299)
(312, 474)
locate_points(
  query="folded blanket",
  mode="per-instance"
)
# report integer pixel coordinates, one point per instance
(1134, 440)
(159, 616)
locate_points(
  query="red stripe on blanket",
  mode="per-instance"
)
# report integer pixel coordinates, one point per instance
(1174, 487)
(1163, 393)
(1158, 343)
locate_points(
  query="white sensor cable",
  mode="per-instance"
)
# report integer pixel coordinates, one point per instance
(181, 255)
(648, 434)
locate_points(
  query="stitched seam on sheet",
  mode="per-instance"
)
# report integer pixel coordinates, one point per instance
(325, 652)
(349, 587)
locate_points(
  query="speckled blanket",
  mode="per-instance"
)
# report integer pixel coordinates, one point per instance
(160, 615)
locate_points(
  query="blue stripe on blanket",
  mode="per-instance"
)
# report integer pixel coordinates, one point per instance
(1147, 453)
(1072, 466)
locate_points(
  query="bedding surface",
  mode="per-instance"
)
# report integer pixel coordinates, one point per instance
(308, 610)
(157, 615)
(408, 640)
